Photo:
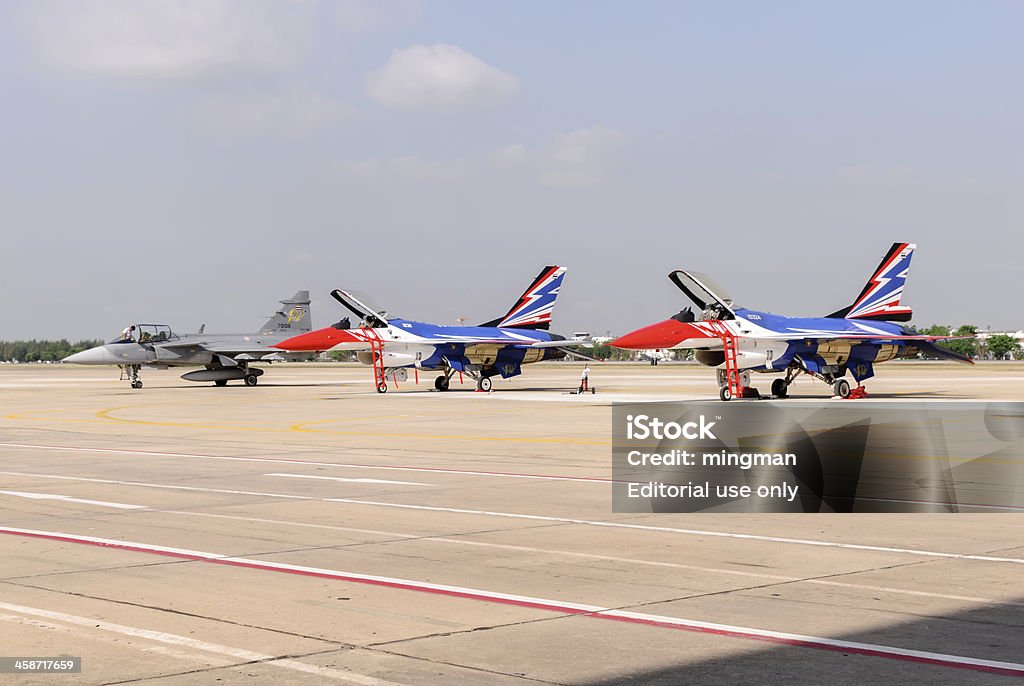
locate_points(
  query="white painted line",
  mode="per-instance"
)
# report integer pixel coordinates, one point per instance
(566, 607)
(69, 499)
(764, 576)
(50, 626)
(694, 532)
(171, 487)
(186, 642)
(549, 518)
(343, 465)
(353, 481)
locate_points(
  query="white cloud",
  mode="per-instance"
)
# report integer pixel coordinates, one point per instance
(509, 155)
(173, 39)
(365, 16)
(580, 158)
(439, 77)
(294, 113)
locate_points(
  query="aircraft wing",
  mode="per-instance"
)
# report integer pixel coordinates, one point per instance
(881, 338)
(567, 347)
(497, 343)
(229, 347)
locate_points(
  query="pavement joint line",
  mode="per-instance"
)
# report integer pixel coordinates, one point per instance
(550, 518)
(557, 606)
(117, 601)
(248, 656)
(511, 675)
(694, 532)
(50, 626)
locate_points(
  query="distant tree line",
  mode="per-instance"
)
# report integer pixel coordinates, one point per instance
(603, 351)
(42, 351)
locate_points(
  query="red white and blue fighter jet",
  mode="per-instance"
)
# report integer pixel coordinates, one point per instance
(737, 341)
(496, 348)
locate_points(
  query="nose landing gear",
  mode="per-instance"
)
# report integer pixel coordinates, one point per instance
(133, 375)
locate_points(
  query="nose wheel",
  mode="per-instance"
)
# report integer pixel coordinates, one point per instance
(133, 376)
(484, 384)
(441, 383)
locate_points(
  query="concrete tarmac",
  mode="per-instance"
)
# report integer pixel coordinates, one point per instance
(311, 530)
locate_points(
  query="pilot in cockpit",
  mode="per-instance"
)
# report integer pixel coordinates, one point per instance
(711, 313)
(345, 323)
(372, 322)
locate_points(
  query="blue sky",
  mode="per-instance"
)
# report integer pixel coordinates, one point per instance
(193, 161)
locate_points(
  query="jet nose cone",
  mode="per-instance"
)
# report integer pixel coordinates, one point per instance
(98, 355)
(661, 335)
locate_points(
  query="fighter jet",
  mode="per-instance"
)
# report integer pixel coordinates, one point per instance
(226, 356)
(499, 347)
(737, 341)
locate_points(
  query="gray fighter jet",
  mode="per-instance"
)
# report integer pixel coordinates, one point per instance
(225, 356)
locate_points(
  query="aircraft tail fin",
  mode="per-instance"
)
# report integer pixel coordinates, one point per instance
(534, 307)
(293, 317)
(880, 298)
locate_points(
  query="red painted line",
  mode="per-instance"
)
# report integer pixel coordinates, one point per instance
(663, 621)
(281, 460)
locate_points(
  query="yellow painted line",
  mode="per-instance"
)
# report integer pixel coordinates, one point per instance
(298, 428)
(107, 414)
(22, 415)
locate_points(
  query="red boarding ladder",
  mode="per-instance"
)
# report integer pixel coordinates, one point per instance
(380, 380)
(732, 366)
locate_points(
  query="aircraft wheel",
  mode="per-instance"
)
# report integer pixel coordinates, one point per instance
(251, 379)
(484, 384)
(842, 388)
(441, 383)
(220, 382)
(724, 393)
(136, 384)
(382, 387)
(780, 389)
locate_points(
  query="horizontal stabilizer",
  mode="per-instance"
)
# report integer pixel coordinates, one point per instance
(930, 348)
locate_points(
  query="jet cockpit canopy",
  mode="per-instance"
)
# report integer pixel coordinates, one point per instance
(148, 333)
(363, 307)
(712, 300)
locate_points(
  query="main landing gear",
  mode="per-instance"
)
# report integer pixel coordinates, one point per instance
(780, 387)
(442, 382)
(840, 387)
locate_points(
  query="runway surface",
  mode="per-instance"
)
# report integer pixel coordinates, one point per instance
(310, 530)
